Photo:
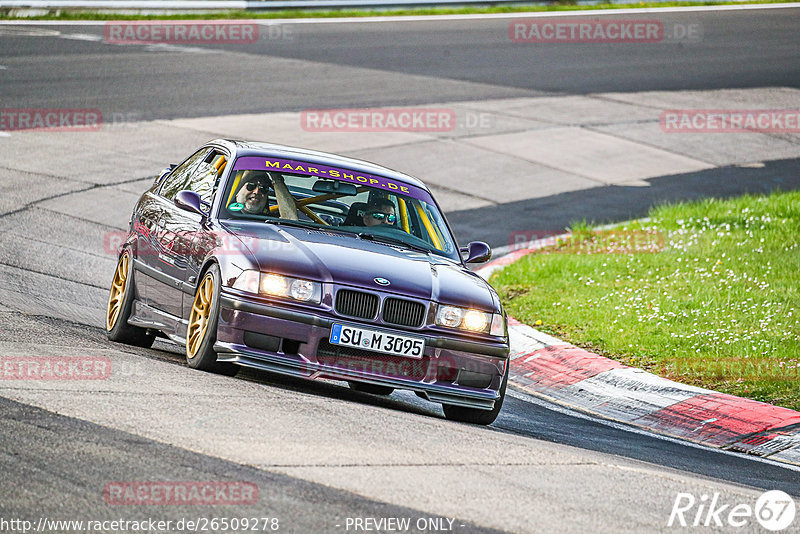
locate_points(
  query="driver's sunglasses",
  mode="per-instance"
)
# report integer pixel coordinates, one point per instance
(251, 186)
(378, 216)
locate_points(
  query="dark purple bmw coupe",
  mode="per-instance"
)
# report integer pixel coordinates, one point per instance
(312, 265)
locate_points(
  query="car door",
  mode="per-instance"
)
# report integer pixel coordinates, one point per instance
(206, 237)
(169, 235)
(148, 227)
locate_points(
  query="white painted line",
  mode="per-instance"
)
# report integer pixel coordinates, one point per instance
(535, 14)
(3, 67)
(636, 430)
(51, 23)
(164, 47)
(625, 394)
(521, 344)
(528, 331)
(4, 134)
(149, 47)
(81, 37)
(442, 18)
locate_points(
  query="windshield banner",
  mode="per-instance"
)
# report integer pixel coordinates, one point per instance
(323, 171)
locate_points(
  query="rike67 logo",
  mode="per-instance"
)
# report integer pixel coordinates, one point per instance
(774, 510)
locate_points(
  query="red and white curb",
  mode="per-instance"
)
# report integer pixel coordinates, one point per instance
(570, 376)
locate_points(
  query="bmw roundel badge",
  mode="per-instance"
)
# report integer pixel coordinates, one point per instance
(382, 281)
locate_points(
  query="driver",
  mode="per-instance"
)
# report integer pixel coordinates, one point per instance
(380, 211)
(253, 193)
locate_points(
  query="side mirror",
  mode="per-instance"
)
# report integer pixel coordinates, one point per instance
(190, 201)
(477, 252)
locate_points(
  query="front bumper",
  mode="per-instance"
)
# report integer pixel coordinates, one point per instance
(452, 371)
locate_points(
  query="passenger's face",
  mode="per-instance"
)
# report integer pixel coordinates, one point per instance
(253, 195)
(379, 216)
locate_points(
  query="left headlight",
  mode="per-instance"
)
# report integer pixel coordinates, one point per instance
(470, 320)
(279, 285)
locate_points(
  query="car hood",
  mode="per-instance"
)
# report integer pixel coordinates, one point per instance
(348, 260)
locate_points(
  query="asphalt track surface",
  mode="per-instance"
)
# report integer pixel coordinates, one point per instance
(737, 49)
(59, 461)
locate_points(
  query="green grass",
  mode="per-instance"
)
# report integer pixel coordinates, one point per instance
(80, 14)
(717, 306)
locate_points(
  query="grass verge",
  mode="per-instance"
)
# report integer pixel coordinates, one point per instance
(80, 14)
(705, 293)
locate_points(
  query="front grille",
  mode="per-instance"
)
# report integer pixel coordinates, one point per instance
(374, 363)
(356, 304)
(403, 312)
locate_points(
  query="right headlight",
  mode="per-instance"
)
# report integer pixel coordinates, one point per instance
(470, 320)
(279, 285)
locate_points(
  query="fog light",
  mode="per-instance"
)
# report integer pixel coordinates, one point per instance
(471, 379)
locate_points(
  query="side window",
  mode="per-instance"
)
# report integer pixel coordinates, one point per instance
(204, 178)
(180, 177)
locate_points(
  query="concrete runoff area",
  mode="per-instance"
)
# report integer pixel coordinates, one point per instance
(397, 451)
(535, 159)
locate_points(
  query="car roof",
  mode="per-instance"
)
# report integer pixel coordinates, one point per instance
(254, 148)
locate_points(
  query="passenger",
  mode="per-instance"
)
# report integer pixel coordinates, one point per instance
(253, 193)
(380, 211)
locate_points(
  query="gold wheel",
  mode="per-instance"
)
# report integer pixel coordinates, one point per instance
(117, 293)
(199, 317)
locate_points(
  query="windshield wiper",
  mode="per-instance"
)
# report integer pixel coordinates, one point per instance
(290, 222)
(392, 241)
(307, 226)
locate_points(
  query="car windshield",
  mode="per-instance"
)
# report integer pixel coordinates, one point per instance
(373, 207)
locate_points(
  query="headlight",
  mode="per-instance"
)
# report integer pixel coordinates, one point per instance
(449, 316)
(274, 284)
(304, 290)
(475, 320)
(469, 319)
(279, 286)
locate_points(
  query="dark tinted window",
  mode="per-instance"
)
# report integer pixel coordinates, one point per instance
(180, 178)
(203, 178)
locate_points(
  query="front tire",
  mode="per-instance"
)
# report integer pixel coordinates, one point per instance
(120, 303)
(475, 416)
(202, 331)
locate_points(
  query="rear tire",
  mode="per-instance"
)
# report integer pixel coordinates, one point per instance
(475, 416)
(120, 304)
(373, 389)
(202, 331)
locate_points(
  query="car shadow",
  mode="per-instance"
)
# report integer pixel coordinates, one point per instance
(503, 224)
(169, 352)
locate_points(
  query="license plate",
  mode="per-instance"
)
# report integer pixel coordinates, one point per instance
(376, 341)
